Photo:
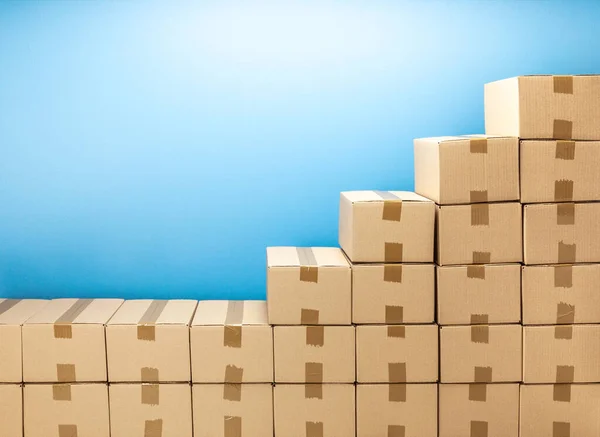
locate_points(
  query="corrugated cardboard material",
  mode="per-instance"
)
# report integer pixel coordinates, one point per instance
(561, 294)
(481, 233)
(560, 171)
(479, 294)
(393, 293)
(479, 410)
(563, 354)
(149, 341)
(308, 286)
(65, 341)
(13, 313)
(400, 353)
(150, 410)
(480, 353)
(11, 410)
(544, 107)
(386, 226)
(232, 342)
(467, 169)
(314, 410)
(233, 410)
(314, 354)
(561, 233)
(66, 410)
(409, 410)
(560, 410)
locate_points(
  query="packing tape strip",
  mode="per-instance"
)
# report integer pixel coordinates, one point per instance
(66, 373)
(478, 428)
(563, 276)
(62, 325)
(393, 252)
(563, 190)
(561, 393)
(149, 374)
(153, 428)
(480, 333)
(478, 196)
(234, 374)
(565, 314)
(567, 253)
(150, 394)
(565, 374)
(232, 331)
(396, 431)
(563, 332)
(394, 314)
(67, 430)
(7, 304)
(232, 426)
(313, 391)
(563, 84)
(313, 373)
(309, 317)
(396, 331)
(314, 429)
(61, 392)
(482, 374)
(480, 214)
(482, 257)
(562, 129)
(476, 272)
(397, 393)
(396, 372)
(146, 330)
(565, 213)
(565, 150)
(392, 273)
(478, 392)
(392, 206)
(478, 145)
(232, 392)
(561, 429)
(309, 269)
(315, 336)
(479, 319)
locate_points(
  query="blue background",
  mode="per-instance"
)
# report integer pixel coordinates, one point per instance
(155, 149)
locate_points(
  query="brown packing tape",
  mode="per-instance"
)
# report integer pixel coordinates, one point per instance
(314, 429)
(149, 374)
(396, 431)
(62, 325)
(61, 392)
(482, 374)
(479, 428)
(398, 331)
(478, 145)
(478, 196)
(562, 393)
(478, 392)
(233, 374)
(7, 304)
(147, 333)
(67, 431)
(476, 272)
(66, 373)
(561, 429)
(313, 373)
(564, 332)
(562, 129)
(565, 313)
(565, 150)
(315, 336)
(563, 276)
(478, 319)
(392, 273)
(565, 214)
(563, 84)
(394, 314)
(232, 331)
(567, 253)
(232, 392)
(482, 257)
(563, 190)
(309, 317)
(153, 428)
(393, 252)
(565, 374)
(146, 330)
(396, 372)
(480, 214)
(309, 269)
(397, 393)
(392, 206)
(313, 391)
(232, 426)
(480, 334)
(150, 394)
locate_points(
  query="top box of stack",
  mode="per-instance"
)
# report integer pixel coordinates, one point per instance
(386, 226)
(544, 107)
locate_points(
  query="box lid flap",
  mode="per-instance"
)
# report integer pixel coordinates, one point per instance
(76, 311)
(306, 256)
(155, 312)
(17, 311)
(231, 312)
(380, 196)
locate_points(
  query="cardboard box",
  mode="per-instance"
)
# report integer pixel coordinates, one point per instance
(478, 294)
(314, 354)
(561, 354)
(467, 169)
(65, 341)
(11, 410)
(560, 171)
(409, 410)
(308, 286)
(393, 293)
(561, 233)
(480, 353)
(149, 410)
(396, 353)
(232, 410)
(482, 233)
(479, 410)
(560, 410)
(13, 313)
(386, 226)
(149, 341)
(561, 294)
(314, 410)
(232, 342)
(544, 107)
(66, 410)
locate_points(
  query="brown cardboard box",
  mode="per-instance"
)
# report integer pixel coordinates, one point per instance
(232, 342)
(562, 354)
(480, 353)
(560, 171)
(308, 286)
(314, 354)
(561, 233)
(479, 294)
(66, 410)
(149, 341)
(467, 169)
(233, 410)
(560, 410)
(479, 410)
(393, 293)
(386, 226)
(561, 294)
(408, 410)
(560, 107)
(13, 313)
(481, 233)
(65, 341)
(396, 353)
(11, 410)
(149, 410)
(314, 410)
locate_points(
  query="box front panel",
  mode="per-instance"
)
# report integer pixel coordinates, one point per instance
(10, 354)
(11, 410)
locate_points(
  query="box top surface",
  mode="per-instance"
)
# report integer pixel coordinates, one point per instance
(380, 196)
(456, 138)
(17, 311)
(231, 312)
(306, 256)
(154, 312)
(76, 311)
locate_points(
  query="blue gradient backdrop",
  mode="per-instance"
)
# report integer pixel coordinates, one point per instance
(155, 149)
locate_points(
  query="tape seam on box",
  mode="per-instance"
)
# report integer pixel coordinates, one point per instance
(150, 394)
(146, 330)
(396, 431)
(394, 314)
(480, 214)
(67, 430)
(153, 428)
(315, 336)
(232, 331)
(62, 325)
(7, 304)
(309, 317)
(232, 392)
(565, 150)
(309, 268)
(397, 393)
(563, 276)
(476, 272)
(392, 273)
(392, 206)
(232, 426)
(314, 429)
(61, 392)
